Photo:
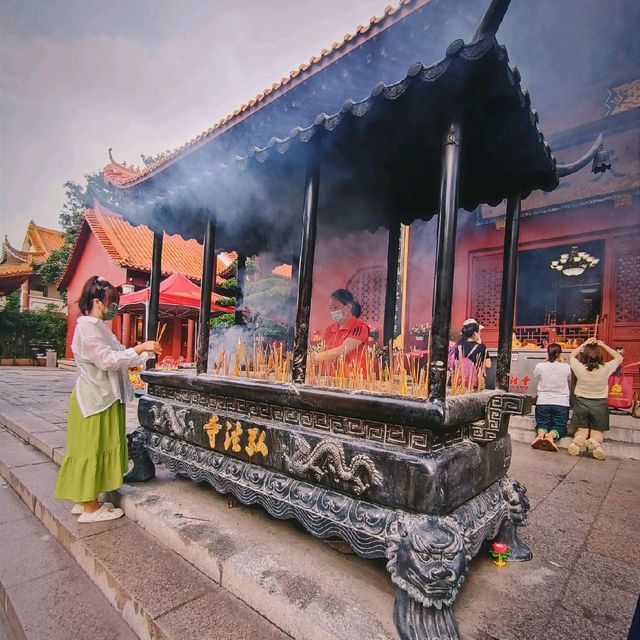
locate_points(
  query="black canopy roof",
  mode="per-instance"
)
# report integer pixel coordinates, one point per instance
(380, 159)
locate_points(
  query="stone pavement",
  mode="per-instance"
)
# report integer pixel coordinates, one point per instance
(583, 582)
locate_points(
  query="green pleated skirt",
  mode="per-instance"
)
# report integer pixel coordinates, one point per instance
(96, 456)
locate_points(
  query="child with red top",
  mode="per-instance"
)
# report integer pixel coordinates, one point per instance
(347, 336)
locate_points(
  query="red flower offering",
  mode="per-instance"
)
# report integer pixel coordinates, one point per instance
(499, 547)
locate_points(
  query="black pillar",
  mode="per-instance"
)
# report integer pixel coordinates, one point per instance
(390, 299)
(508, 294)
(208, 277)
(295, 265)
(154, 291)
(305, 271)
(240, 277)
(445, 254)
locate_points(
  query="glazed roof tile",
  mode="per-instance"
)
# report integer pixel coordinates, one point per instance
(131, 247)
(42, 239)
(123, 176)
(16, 268)
(38, 244)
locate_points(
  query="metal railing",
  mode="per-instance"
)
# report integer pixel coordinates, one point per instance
(573, 334)
(37, 303)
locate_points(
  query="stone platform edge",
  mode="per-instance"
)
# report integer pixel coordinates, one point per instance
(256, 577)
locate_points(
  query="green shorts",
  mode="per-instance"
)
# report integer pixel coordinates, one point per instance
(590, 413)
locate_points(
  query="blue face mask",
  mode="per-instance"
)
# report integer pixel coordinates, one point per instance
(337, 315)
(111, 312)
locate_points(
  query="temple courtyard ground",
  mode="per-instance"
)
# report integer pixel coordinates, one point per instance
(187, 563)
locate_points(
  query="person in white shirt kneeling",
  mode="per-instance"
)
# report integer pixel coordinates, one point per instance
(552, 406)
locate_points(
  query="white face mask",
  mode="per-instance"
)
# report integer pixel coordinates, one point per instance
(337, 315)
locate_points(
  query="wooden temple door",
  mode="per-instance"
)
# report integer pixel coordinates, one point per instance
(622, 301)
(486, 280)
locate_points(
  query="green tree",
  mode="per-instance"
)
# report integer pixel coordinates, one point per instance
(78, 198)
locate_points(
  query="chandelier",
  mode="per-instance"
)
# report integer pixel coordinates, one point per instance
(574, 263)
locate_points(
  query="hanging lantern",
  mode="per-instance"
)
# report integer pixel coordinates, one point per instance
(574, 263)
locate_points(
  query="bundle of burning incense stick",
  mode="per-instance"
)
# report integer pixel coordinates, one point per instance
(404, 374)
(267, 361)
(160, 331)
(462, 382)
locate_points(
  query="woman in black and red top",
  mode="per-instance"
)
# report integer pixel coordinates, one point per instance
(347, 336)
(471, 344)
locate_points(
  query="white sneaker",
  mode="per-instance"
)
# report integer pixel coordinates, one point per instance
(597, 451)
(105, 512)
(78, 508)
(574, 448)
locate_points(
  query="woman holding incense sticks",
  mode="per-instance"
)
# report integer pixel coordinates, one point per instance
(345, 339)
(96, 454)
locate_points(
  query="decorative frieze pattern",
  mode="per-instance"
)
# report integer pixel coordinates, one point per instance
(418, 439)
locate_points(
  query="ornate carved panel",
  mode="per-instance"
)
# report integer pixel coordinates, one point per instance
(487, 279)
(627, 279)
(419, 439)
(368, 288)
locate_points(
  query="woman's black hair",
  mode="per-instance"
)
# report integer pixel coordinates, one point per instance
(344, 296)
(553, 351)
(591, 357)
(96, 288)
(467, 331)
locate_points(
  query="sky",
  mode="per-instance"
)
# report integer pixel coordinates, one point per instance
(141, 76)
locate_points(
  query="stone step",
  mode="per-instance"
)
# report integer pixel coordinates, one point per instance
(68, 364)
(613, 448)
(622, 428)
(156, 592)
(44, 595)
(294, 580)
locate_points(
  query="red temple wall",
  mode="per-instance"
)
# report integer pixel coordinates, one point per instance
(338, 259)
(601, 221)
(95, 261)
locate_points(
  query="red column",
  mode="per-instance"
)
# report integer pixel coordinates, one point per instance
(116, 326)
(191, 327)
(126, 329)
(176, 338)
(24, 296)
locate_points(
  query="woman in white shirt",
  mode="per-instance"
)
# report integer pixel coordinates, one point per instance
(552, 406)
(96, 454)
(590, 410)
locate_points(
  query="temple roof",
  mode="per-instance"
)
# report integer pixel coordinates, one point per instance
(131, 247)
(42, 239)
(38, 244)
(122, 175)
(380, 158)
(13, 274)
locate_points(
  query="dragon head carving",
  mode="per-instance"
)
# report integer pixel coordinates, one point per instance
(301, 450)
(136, 441)
(427, 559)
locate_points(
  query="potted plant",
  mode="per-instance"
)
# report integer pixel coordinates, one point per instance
(420, 331)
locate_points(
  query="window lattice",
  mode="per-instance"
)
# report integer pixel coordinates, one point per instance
(487, 297)
(627, 295)
(368, 288)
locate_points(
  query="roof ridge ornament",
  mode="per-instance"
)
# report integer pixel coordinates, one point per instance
(596, 153)
(491, 20)
(116, 172)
